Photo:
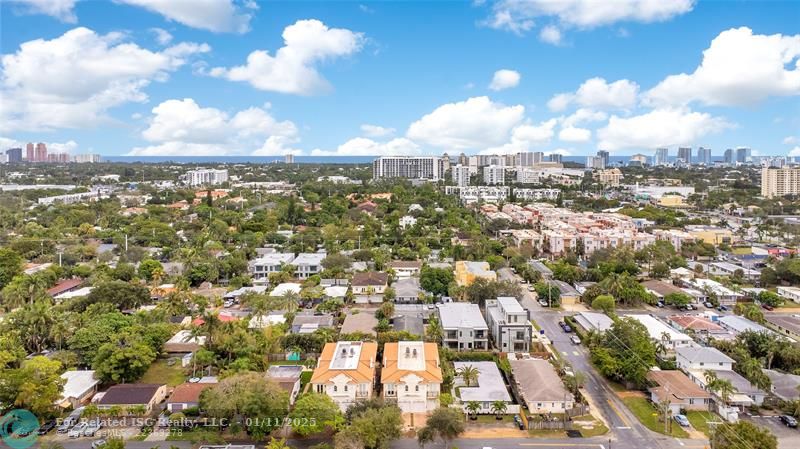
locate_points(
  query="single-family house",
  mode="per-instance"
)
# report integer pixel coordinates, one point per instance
(509, 324)
(675, 387)
(661, 333)
(411, 375)
(463, 326)
(784, 386)
(369, 283)
(784, 324)
(405, 268)
(700, 358)
(490, 387)
(133, 395)
(407, 290)
(540, 387)
(186, 395)
(183, 341)
(288, 377)
(79, 387)
(307, 322)
(346, 371)
(269, 263)
(308, 264)
(594, 321)
(790, 293)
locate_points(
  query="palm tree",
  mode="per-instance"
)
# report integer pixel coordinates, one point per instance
(469, 374)
(434, 332)
(499, 409)
(290, 301)
(472, 409)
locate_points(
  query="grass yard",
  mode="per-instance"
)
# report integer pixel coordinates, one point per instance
(160, 372)
(699, 420)
(597, 427)
(198, 435)
(646, 414)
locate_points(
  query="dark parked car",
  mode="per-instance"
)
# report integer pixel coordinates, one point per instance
(47, 427)
(518, 422)
(722, 308)
(789, 420)
(767, 307)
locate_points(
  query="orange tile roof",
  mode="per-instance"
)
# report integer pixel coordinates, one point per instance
(363, 372)
(391, 372)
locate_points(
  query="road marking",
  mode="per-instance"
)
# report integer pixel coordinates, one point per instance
(576, 353)
(562, 445)
(616, 410)
(680, 442)
(565, 352)
(623, 428)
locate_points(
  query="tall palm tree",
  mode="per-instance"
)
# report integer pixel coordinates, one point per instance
(290, 301)
(469, 374)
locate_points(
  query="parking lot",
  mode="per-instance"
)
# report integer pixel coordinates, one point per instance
(788, 438)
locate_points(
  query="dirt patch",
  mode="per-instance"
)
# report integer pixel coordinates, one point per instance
(630, 394)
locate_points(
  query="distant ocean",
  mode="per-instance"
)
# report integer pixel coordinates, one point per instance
(279, 159)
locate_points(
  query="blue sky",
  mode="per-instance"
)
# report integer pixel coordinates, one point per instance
(367, 78)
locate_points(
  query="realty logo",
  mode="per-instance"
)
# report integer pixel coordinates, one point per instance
(18, 429)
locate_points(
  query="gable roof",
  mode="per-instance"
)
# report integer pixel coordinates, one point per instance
(703, 354)
(126, 394)
(187, 393)
(370, 278)
(696, 323)
(538, 381)
(675, 383)
(392, 373)
(364, 370)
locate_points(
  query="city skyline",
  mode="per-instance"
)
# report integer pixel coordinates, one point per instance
(373, 79)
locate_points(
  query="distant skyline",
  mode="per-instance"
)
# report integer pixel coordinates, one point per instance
(241, 78)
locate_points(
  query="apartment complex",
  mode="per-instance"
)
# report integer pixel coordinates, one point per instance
(412, 376)
(777, 182)
(467, 272)
(609, 177)
(346, 371)
(494, 175)
(206, 177)
(461, 175)
(408, 167)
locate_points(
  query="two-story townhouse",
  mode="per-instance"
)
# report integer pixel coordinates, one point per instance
(702, 358)
(412, 376)
(509, 324)
(261, 268)
(463, 326)
(346, 371)
(308, 264)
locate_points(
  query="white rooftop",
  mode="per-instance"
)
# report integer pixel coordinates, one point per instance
(185, 336)
(491, 386)
(740, 324)
(346, 355)
(336, 291)
(510, 304)
(241, 291)
(309, 259)
(274, 259)
(75, 293)
(656, 328)
(411, 355)
(594, 320)
(282, 289)
(461, 314)
(77, 383)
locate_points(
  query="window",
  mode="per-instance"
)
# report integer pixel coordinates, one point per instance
(416, 388)
(406, 387)
(345, 388)
(335, 388)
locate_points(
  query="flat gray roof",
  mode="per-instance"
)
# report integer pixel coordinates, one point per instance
(461, 314)
(491, 386)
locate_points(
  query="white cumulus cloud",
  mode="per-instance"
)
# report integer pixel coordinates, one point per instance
(475, 123)
(739, 68)
(658, 128)
(63, 10)
(376, 131)
(518, 16)
(182, 127)
(212, 15)
(162, 36)
(72, 80)
(504, 79)
(524, 137)
(293, 68)
(575, 135)
(598, 93)
(361, 146)
(550, 34)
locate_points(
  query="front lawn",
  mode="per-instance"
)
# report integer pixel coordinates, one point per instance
(700, 420)
(648, 415)
(161, 373)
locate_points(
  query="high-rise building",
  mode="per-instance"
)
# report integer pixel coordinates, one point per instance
(743, 155)
(528, 158)
(408, 167)
(704, 156)
(776, 182)
(555, 157)
(14, 155)
(661, 157)
(595, 162)
(288, 158)
(605, 157)
(685, 155)
(40, 153)
(494, 175)
(29, 152)
(444, 163)
(206, 177)
(463, 159)
(86, 158)
(729, 157)
(638, 159)
(461, 175)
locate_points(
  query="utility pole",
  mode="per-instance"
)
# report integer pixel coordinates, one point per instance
(126, 243)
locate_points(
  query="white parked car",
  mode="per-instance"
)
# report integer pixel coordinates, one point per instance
(575, 340)
(77, 431)
(92, 428)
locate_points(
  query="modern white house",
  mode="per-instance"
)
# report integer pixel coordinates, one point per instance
(412, 376)
(490, 388)
(308, 264)
(660, 332)
(700, 358)
(509, 324)
(790, 293)
(346, 372)
(79, 387)
(463, 326)
(261, 268)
